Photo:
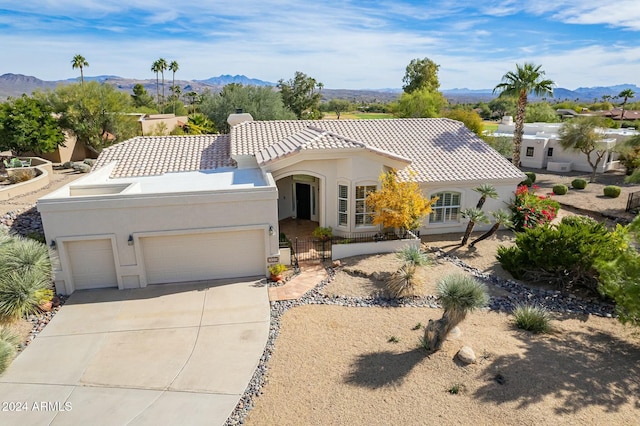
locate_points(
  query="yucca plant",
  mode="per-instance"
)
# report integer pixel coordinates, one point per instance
(21, 294)
(533, 318)
(24, 254)
(25, 277)
(413, 255)
(404, 282)
(458, 294)
(7, 352)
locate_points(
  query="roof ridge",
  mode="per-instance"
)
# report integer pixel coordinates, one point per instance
(337, 135)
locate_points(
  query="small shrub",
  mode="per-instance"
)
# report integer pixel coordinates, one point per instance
(531, 176)
(461, 292)
(277, 269)
(579, 183)
(323, 233)
(531, 210)
(393, 339)
(633, 177)
(36, 236)
(560, 189)
(532, 318)
(89, 162)
(20, 294)
(527, 182)
(418, 326)
(81, 167)
(7, 352)
(67, 165)
(403, 283)
(456, 389)
(22, 175)
(413, 255)
(612, 191)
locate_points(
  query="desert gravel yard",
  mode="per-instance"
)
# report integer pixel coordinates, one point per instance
(363, 365)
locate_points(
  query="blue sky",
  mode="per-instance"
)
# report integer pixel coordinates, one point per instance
(343, 44)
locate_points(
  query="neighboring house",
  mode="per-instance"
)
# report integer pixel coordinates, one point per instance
(174, 209)
(541, 149)
(616, 114)
(160, 124)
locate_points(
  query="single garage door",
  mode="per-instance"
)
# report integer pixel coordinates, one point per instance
(206, 256)
(92, 264)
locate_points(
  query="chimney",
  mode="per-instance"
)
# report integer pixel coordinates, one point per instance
(239, 117)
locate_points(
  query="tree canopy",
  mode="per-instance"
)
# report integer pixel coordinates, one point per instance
(471, 119)
(263, 103)
(582, 134)
(28, 125)
(418, 104)
(300, 96)
(421, 74)
(142, 98)
(94, 113)
(398, 204)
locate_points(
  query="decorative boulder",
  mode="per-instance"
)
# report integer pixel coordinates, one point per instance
(454, 334)
(466, 355)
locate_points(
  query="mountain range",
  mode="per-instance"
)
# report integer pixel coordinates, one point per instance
(17, 84)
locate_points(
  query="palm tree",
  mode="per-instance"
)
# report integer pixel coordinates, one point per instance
(500, 217)
(527, 79)
(162, 65)
(458, 294)
(474, 215)
(173, 67)
(485, 190)
(79, 61)
(155, 67)
(625, 95)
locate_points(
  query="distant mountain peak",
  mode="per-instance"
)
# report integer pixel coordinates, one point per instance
(225, 79)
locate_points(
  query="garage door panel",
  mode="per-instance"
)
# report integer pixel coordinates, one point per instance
(92, 264)
(197, 257)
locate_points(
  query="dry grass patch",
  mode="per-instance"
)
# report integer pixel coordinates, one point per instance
(336, 365)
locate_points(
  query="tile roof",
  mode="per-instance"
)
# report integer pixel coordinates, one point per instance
(313, 138)
(155, 155)
(441, 150)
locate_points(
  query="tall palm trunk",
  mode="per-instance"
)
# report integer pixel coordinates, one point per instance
(519, 129)
(173, 85)
(486, 235)
(157, 90)
(163, 98)
(81, 76)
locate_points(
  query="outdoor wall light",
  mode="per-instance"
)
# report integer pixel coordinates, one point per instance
(53, 244)
(272, 231)
(130, 240)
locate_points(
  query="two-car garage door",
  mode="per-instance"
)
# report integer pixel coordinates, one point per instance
(203, 256)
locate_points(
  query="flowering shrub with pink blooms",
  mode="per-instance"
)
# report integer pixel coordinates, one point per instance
(531, 210)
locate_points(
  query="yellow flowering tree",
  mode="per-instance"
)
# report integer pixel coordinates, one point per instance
(398, 204)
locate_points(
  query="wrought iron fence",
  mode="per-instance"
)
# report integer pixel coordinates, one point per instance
(633, 201)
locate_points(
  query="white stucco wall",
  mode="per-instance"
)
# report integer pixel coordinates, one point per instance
(469, 199)
(117, 216)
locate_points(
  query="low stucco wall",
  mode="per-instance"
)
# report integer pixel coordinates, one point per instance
(44, 170)
(340, 251)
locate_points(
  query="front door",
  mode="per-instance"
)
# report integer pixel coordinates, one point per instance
(303, 200)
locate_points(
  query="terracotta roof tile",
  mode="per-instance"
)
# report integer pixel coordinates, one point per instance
(441, 150)
(156, 155)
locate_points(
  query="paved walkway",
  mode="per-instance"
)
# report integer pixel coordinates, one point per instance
(163, 355)
(310, 275)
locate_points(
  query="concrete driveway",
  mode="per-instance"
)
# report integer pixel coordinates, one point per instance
(163, 355)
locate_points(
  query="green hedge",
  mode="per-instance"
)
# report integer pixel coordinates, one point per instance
(612, 191)
(560, 189)
(531, 176)
(579, 183)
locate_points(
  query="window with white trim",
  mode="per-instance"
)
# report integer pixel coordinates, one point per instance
(364, 214)
(343, 205)
(446, 209)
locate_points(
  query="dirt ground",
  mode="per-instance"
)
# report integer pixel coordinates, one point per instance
(336, 365)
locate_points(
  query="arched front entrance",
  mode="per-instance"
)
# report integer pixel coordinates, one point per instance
(300, 206)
